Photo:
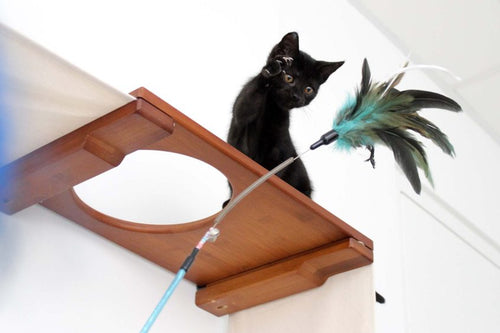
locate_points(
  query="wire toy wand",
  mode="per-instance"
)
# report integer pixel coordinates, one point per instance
(211, 236)
(379, 113)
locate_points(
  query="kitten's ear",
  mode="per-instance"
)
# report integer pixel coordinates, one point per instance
(326, 68)
(289, 45)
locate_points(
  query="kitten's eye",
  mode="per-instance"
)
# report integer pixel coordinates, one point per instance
(288, 78)
(308, 90)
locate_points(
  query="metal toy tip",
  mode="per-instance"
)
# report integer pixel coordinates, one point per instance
(325, 139)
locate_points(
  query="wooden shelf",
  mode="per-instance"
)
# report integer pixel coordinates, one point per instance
(275, 243)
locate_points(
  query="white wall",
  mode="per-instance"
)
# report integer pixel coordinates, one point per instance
(196, 55)
(56, 276)
(450, 286)
(343, 304)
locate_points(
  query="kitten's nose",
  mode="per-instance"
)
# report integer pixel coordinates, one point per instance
(296, 97)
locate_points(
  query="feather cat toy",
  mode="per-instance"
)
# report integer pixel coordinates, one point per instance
(379, 113)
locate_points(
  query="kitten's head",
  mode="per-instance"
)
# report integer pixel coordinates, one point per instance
(299, 83)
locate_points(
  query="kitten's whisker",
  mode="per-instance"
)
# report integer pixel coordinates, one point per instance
(314, 123)
(308, 111)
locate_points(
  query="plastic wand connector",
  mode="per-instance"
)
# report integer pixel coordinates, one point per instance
(325, 139)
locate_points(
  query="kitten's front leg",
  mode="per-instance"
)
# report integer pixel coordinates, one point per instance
(276, 66)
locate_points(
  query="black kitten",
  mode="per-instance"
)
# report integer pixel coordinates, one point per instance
(261, 118)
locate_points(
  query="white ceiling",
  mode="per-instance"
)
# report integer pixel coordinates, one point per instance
(46, 96)
(461, 35)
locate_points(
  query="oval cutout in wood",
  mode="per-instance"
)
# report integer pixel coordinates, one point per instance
(156, 187)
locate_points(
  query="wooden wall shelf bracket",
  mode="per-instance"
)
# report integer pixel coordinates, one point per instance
(275, 243)
(273, 281)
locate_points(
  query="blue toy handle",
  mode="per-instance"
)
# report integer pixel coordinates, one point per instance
(178, 277)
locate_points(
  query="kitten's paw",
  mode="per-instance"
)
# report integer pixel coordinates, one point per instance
(277, 65)
(286, 60)
(273, 68)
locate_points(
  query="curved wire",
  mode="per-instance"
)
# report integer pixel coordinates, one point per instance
(252, 187)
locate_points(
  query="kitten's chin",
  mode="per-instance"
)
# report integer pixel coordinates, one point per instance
(289, 107)
(288, 104)
(292, 106)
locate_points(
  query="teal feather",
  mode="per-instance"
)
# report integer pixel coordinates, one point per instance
(380, 114)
